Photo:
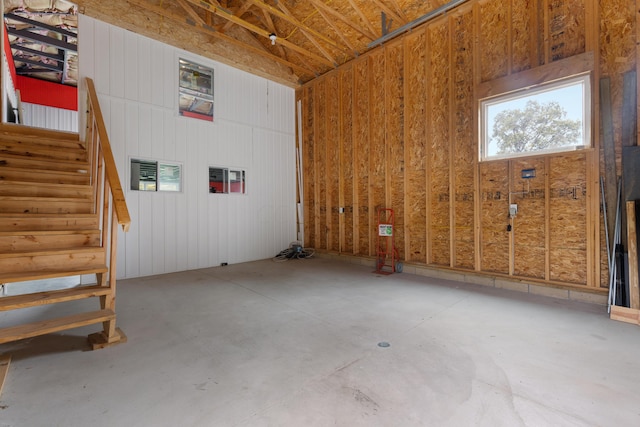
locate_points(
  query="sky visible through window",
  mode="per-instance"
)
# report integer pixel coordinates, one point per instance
(570, 96)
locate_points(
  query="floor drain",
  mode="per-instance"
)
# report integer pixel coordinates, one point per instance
(384, 344)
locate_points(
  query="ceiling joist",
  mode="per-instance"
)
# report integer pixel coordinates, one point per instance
(223, 13)
(322, 6)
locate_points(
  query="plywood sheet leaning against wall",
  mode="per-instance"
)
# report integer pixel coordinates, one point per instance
(438, 137)
(529, 225)
(568, 218)
(394, 138)
(618, 53)
(361, 155)
(464, 152)
(378, 147)
(415, 148)
(346, 160)
(333, 165)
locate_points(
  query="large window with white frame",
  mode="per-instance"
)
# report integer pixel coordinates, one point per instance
(545, 118)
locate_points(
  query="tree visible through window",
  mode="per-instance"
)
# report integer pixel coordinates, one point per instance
(547, 118)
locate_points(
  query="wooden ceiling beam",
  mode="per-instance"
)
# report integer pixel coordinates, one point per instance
(362, 16)
(321, 6)
(339, 33)
(288, 16)
(399, 10)
(223, 13)
(272, 27)
(390, 12)
(238, 13)
(205, 29)
(191, 12)
(307, 35)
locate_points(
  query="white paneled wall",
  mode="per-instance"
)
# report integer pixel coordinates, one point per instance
(137, 82)
(41, 116)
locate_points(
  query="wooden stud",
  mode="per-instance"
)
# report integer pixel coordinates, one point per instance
(610, 174)
(632, 238)
(477, 217)
(547, 218)
(452, 163)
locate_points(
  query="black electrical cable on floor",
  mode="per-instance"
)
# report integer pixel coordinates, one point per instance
(292, 252)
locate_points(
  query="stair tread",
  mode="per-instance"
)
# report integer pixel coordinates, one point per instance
(50, 297)
(12, 129)
(8, 182)
(47, 232)
(51, 273)
(45, 198)
(73, 250)
(10, 156)
(43, 327)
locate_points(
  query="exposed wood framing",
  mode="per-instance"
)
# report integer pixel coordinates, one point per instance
(221, 12)
(362, 16)
(321, 6)
(288, 16)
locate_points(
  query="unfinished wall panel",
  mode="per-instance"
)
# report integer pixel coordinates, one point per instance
(332, 166)
(566, 28)
(378, 154)
(464, 150)
(346, 158)
(494, 207)
(529, 230)
(309, 164)
(494, 40)
(320, 123)
(522, 42)
(438, 138)
(415, 148)
(361, 131)
(568, 218)
(394, 138)
(407, 139)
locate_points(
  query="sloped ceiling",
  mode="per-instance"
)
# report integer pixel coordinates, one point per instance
(311, 37)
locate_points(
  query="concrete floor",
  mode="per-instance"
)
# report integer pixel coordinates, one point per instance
(296, 344)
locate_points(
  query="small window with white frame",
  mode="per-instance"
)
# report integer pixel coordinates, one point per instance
(546, 118)
(151, 175)
(195, 92)
(224, 180)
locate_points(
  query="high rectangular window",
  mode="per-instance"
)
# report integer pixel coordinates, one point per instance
(195, 93)
(546, 118)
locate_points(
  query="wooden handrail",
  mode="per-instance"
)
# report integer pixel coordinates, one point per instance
(100, 143)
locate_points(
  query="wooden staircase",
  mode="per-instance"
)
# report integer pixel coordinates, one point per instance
(60, 207)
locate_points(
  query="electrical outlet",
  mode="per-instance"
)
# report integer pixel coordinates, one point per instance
(513, 210)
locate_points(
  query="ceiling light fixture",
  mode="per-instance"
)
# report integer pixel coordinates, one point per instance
(273, 38)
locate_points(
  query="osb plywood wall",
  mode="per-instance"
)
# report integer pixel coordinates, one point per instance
(397, 128)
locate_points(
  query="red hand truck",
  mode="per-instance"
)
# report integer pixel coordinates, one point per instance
(386, 251)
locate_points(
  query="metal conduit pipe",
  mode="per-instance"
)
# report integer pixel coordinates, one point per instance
(425, 18)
